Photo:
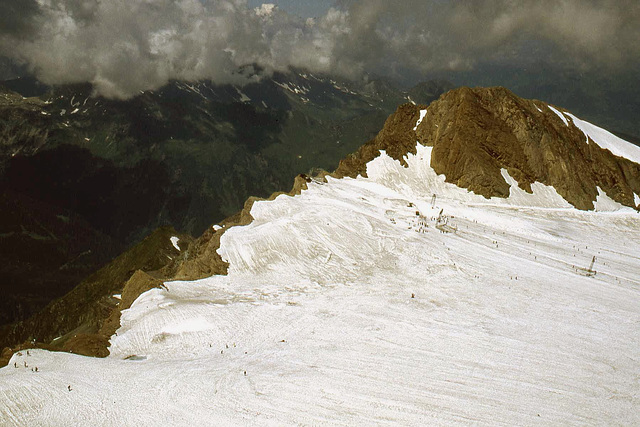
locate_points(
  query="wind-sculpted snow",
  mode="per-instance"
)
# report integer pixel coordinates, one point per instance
(363, 302)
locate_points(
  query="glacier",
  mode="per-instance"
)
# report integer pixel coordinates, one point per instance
(393, 299)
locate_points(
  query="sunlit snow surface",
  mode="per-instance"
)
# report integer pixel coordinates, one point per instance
(423, 113)
(174, 242)
(316, 324)
(606, 139)
(559, 114)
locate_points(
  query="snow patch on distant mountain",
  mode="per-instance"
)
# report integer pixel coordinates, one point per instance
(243, 96)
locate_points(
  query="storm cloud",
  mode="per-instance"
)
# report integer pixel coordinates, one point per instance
(18, 18)
(124, 46)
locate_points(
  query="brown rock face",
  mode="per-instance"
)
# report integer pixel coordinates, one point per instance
(397, 138)
(476, 132)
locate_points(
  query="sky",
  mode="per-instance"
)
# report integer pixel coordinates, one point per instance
(124, 46)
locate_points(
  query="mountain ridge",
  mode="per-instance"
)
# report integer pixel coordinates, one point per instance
(412, 126)
(477, 132)
(184, 155)
(338, 300)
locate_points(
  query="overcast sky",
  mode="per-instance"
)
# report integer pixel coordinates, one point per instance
(302, 8)
(123, 46)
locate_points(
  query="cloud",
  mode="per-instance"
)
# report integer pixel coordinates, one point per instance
(124, 46)
(17, 18)
(455, 35)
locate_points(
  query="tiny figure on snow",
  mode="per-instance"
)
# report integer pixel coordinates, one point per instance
(413, 295)
(15, 364)
(69, 387)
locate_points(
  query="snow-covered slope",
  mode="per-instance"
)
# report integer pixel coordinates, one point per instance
(365, 301)
(607, 140)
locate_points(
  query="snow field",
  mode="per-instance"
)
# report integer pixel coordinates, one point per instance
(348, 305)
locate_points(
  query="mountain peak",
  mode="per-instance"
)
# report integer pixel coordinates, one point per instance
(477, 132)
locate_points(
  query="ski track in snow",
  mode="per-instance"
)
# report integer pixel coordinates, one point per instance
(315, 323)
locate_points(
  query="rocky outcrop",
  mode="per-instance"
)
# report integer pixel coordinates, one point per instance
(138, 284)
(203, 259)
(397, 138)
(477, 132)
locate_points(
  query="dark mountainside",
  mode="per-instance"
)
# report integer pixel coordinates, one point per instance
(474, 132)
(83, 178)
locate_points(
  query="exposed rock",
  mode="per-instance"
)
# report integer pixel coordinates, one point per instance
(476, 132)
(397, 138)
(87, 345)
